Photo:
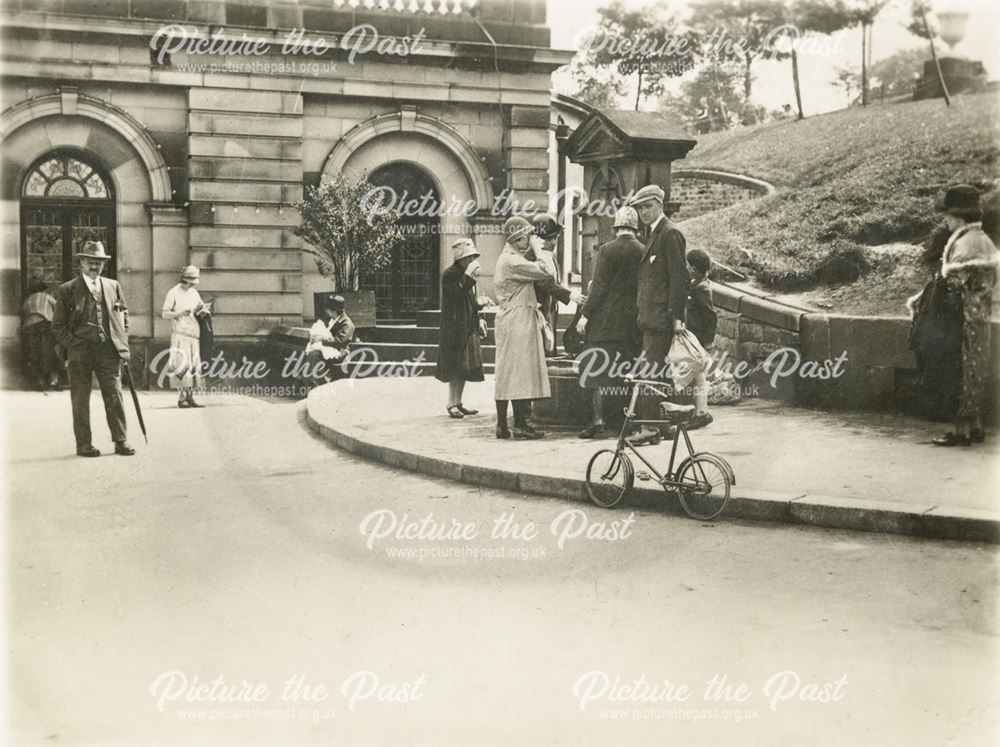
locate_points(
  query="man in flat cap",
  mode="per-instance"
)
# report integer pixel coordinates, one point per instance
(91, 322)
(663, 291)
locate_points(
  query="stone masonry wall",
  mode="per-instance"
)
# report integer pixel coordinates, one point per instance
(701, 191)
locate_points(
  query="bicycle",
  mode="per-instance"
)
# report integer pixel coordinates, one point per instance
(702, 480)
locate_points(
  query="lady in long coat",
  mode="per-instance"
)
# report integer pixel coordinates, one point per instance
(969, 265)
(521, 373)
(460, 357)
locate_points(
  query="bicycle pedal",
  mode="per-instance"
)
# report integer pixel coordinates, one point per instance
(644, 475)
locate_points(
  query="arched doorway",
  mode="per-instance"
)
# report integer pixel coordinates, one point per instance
(411, 281)
(67, 199)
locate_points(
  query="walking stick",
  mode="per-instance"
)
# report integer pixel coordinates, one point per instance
(135, 399)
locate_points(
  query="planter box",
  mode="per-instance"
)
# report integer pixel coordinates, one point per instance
(360, 306)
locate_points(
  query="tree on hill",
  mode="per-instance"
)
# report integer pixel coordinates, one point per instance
(818, 17)
(645, 43)
(598, 87)
(895, 74)
(707, 100)
(738, 30)
(864, 13)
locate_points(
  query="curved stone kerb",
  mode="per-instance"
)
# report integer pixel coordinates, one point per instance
(475, 172)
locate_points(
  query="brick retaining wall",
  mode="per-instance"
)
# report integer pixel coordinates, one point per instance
(701, 191)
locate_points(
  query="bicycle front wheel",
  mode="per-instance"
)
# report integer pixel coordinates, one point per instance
(704, 486)
(609, 477)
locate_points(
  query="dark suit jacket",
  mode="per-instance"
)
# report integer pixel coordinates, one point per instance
(611, 307)
(663, 279)
(70, 317)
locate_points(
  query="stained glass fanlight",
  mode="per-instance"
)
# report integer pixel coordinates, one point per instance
(62, 176)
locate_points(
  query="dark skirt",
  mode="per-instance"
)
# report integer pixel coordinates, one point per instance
(462, 363)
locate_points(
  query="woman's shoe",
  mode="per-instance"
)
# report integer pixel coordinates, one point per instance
(455, 411)
(467, 411)
(503, 432)
(595, 430)
(952, 439)
(192, 403)
(183, 403)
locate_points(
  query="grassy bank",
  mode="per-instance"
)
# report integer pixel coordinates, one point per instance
(856, 195)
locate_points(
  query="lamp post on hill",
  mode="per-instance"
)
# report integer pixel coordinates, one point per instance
(952, 73)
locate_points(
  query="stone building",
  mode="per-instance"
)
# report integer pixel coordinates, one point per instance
(118, 124)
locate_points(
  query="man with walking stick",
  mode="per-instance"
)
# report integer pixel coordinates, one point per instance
(91, 322)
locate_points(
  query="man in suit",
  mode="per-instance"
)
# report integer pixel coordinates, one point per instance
(91, 322)
(609, 317)
(663, 292)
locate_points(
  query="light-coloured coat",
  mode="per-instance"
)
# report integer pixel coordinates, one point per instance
(520, 355)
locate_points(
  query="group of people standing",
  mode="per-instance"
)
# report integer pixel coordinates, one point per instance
(637, 301)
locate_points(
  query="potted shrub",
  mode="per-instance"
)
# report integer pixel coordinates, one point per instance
(351, 236)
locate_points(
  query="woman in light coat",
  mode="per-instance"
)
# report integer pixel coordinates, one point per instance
(521, 373)
(181, 306)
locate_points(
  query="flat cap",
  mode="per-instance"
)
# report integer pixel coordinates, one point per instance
(647, 193)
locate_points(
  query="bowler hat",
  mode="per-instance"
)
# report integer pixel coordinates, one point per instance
(648, 193)
(94, 250)
(961, 200)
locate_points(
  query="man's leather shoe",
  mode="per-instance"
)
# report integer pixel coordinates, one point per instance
(122, 447)
(503, 432)
(644, 437)
(699, 421)
(87, 451)
(977, 435)
(595, 430)
(952, 439)
(524, 433)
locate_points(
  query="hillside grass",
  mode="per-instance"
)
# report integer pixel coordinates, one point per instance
(856, 197)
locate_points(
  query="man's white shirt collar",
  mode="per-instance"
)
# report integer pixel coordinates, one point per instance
(92, 284)
(655, 223)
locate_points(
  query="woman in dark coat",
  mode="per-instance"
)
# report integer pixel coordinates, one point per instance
(460, 358)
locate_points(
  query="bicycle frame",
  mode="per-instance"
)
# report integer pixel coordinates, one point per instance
(666, 480)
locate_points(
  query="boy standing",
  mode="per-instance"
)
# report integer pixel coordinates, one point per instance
(702, 320)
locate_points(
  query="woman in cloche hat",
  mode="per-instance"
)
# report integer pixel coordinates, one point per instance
(460, 357)
(969, 267)
(182, 304)
(521, 372)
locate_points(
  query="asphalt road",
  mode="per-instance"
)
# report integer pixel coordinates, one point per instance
(240, 582)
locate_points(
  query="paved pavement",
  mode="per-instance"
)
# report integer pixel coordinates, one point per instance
(233, 546)
(848, 470)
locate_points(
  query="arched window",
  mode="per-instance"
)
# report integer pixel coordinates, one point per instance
(62, 176)
(67, 199)
(411, 281)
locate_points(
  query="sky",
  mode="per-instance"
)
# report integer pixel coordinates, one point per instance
(773, 83)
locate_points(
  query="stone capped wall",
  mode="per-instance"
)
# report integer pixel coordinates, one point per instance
(702, 191)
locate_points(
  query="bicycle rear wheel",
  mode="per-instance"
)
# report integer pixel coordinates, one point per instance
(609, 477)
(704, 486)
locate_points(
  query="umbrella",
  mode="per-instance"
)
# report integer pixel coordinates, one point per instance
(135, 399)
